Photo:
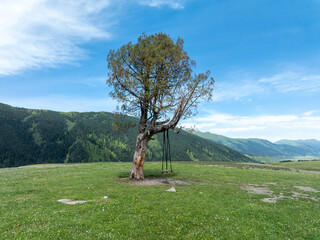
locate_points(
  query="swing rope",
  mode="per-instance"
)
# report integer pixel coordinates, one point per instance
(166, 153)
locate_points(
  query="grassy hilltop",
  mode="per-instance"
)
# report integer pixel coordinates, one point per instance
(38, 136)
(221, 203)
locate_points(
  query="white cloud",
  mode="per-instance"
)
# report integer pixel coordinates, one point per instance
(293, 82)
(309, 113)
(63, 103)
(271, 127)
(45, 33)
(36, 33)
(236, 91)
(175, 4)
(297, 83)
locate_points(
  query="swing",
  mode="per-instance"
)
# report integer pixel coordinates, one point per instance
(166, 154)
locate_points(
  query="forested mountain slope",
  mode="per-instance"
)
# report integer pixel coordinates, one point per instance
(39, 136)
(284, 149)
(311, 146)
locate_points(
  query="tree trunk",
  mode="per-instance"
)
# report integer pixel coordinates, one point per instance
(138, 159)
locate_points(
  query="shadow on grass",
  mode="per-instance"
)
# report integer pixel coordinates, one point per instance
(149, 173)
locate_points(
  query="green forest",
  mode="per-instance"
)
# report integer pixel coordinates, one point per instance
(40, 136)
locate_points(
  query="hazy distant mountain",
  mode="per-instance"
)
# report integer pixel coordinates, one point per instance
(39, 136)
(284, 149)
(312, 146)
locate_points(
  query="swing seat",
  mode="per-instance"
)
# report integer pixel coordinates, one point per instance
(167, 171)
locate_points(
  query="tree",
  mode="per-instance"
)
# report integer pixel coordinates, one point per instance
(154, 80)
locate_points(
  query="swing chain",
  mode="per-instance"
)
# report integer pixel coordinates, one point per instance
(166, 152)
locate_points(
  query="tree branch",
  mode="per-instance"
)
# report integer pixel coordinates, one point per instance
(125, 87)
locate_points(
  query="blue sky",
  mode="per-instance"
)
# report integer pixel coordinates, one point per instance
(264, 56)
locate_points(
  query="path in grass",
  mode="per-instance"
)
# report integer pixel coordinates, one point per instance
(220, 208)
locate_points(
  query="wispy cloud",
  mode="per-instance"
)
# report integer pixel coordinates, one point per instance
(236, 90)
(45, 33)
(175, 4)
(36, 33)
(281, 83)
(272, 127)
(293, 82)
(309, 113)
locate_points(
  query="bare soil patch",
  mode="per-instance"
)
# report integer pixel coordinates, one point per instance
(257, 190)
(161, 181)
(273, 198)
(308, 189)
(296, 195)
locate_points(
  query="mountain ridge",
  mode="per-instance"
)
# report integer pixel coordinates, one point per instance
(280, 150)
(29, 136)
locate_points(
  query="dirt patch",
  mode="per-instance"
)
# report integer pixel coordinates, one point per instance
(296, 195)
(273, 199)
(270, 183)
(161, 181)
(264, 190)
(257, 190)
(308, 189)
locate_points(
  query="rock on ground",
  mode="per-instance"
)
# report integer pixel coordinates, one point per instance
(171, 190)
(71, 202)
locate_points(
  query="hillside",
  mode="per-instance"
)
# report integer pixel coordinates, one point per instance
(280, 150)
(312, 146)
(40, 136)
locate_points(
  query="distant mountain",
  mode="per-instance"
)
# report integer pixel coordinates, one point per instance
(312, 146)
(39, 136)
(284, 149)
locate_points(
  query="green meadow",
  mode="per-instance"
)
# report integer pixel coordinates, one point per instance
(219, 202)
(313, 165)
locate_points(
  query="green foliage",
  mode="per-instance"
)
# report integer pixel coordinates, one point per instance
(262, 159)
(70, 124)
(37, 136)
(156, 152)
(77, 153)
(154, 76)
(191, 156)
(218, 209)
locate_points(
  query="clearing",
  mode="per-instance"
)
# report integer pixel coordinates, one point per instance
(212, 201)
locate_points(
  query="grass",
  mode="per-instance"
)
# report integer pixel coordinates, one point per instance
(312, 165)
(219, 209)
